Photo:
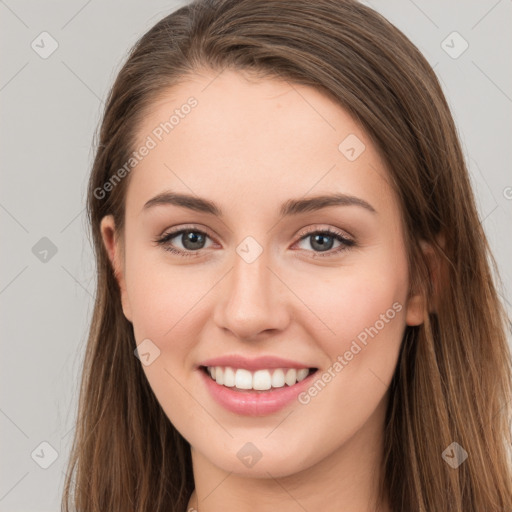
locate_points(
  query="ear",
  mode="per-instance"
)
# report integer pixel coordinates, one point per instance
(112, 246)
(417, 303)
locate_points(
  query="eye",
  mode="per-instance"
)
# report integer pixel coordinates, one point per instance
(322, 241)
(193, 241)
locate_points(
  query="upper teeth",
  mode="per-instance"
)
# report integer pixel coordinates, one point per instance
(259, 380)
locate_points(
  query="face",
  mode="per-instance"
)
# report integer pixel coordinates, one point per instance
(249, 274)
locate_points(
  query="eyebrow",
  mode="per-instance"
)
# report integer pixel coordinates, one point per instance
(290, 207)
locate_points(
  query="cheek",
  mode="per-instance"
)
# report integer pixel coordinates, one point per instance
(163, 297)
(354, 302)
(362, 312)
(167, 309)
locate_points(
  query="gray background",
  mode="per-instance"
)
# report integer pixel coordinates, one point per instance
(49, 111)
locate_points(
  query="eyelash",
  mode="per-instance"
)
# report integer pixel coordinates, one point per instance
(346, 242)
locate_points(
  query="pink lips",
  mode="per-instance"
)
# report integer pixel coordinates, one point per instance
(250, 402)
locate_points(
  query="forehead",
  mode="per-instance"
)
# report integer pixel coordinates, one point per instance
(250, 143)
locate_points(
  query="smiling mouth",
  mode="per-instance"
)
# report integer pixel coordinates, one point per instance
(259, 381)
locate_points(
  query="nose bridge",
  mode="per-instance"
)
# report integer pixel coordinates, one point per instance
(250, 276)
(250, 298)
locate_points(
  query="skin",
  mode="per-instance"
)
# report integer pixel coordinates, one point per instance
(249, 145)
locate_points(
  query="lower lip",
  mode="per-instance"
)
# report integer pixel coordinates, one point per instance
(254, 403)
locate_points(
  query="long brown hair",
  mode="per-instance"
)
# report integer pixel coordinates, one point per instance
(453, 378)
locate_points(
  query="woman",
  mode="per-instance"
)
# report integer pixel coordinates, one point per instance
(295, 306)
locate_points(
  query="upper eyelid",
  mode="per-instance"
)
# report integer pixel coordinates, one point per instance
(316, 229)
(180, 230)
(303, 233)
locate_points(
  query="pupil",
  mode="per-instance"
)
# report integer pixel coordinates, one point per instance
(317, 239)
(193, 240)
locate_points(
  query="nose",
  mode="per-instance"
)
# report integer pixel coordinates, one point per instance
(253, 300)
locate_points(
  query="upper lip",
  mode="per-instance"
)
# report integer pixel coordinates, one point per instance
(256, 363)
